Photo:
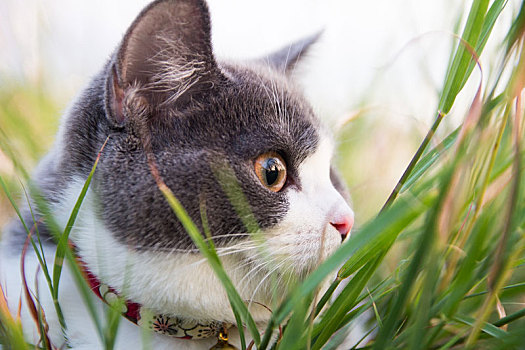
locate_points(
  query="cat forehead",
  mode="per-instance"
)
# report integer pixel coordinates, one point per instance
(253, 110)
(271, 99)
(266, 83)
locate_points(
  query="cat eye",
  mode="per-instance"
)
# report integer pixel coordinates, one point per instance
(271, 171)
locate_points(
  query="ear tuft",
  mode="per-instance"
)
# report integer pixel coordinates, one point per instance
(165, 55)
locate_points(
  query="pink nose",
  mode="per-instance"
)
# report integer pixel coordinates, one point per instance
(343, 225)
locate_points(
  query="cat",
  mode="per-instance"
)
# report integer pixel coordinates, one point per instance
(167, 111)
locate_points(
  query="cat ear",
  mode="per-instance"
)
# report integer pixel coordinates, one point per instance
(285, 59)
(165, 56)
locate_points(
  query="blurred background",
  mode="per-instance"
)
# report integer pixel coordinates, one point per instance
(374, 77)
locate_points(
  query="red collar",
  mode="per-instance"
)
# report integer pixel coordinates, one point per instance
(167, 325)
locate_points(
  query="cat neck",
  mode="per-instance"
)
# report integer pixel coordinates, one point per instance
(168, 325)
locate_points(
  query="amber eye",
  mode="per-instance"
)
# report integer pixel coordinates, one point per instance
(271, 171)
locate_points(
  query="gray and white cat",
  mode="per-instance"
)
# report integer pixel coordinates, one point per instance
(163, 98)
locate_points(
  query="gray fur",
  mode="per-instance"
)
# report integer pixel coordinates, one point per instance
(163, 93)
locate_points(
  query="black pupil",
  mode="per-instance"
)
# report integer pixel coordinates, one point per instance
(271, 171)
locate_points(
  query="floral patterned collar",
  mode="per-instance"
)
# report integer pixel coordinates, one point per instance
(167, 325)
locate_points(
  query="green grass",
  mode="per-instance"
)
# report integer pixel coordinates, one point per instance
(441, 266)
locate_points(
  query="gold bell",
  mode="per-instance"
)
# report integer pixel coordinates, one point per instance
(222, 343)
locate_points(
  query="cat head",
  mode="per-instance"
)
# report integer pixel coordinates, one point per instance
(169, 103)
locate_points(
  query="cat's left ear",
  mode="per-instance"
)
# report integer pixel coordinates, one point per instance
(164, 60)
(285, 59)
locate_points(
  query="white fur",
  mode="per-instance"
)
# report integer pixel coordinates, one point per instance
(174, 74)
(182, 283)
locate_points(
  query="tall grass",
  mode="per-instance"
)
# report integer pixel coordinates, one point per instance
(458, 211)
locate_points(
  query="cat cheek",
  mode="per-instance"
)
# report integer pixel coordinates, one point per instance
(318, 219)
(307, 234)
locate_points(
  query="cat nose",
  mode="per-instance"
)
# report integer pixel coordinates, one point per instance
(343, 223)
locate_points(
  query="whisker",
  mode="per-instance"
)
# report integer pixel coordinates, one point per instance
(271, 272)
(228, 235)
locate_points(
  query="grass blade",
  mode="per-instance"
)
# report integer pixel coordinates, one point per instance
(457, 72)
(236, 301)
(63, 242)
